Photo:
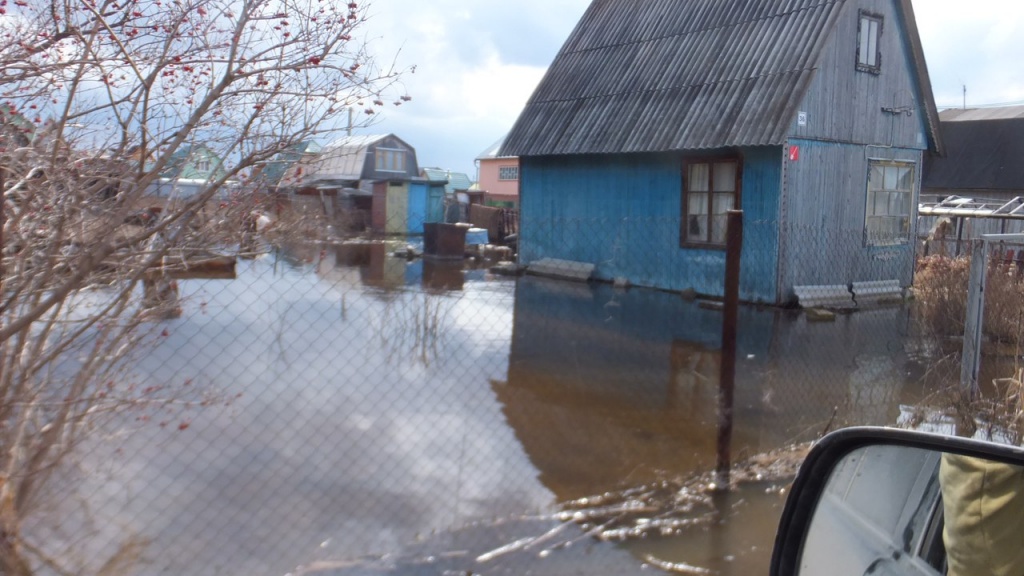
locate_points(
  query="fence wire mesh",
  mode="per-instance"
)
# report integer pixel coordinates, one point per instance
(353, 406)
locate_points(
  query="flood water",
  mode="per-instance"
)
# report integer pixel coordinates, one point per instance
(369, 415)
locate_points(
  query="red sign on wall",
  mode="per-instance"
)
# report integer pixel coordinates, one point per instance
(794, 153)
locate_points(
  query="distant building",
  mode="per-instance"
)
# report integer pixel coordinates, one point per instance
(453, 181)
(15, 129)
(984, 155)
(291, 170)
(977, 186)
(498, 175)
(457, 192)
(383, 170)
(190, 170)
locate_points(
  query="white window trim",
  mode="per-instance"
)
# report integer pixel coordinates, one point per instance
(865, 54)
(502, 169)
(904, 237)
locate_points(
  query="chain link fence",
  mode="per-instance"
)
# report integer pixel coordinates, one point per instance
(355, 407)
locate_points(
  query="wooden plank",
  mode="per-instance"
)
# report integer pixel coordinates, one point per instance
(562, 269)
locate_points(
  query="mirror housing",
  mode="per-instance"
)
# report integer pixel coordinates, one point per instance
(837, 459)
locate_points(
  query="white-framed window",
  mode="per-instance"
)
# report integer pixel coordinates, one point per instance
(390, 160)
(890, 197)
(869, 36)
(202, 164)
(710, 189)
(508, 173)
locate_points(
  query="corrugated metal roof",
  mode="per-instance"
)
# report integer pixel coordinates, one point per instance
(452, 180)
(681, 75)
(344, 158)
(436, 175)
(492, 151)
(979, 155)
(285, 163)
(458, 181)
(975, 114)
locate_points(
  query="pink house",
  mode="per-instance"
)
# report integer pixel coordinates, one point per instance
(498, 176)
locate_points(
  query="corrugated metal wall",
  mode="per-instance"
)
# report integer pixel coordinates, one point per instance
(823, 218)
(622, 213)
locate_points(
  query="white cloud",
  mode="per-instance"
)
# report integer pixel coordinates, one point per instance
(978, 46)
(476, 65)
(478, 61)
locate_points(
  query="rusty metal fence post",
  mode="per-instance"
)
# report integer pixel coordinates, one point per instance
(730, 318)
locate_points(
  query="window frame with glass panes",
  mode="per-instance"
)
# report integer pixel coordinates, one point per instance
(889, 204)
(390, 160)
(711, 187)
(508, 173)
(869, 40)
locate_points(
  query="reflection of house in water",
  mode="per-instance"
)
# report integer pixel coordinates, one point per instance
(442, 275)
(859, 365)
(378, 268)
(608, 387)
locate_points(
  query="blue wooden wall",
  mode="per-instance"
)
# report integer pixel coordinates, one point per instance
(622, 213)
(418, 195)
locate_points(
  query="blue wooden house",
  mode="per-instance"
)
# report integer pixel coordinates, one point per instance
(812, 116)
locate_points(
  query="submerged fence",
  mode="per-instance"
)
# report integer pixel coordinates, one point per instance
(354, 407)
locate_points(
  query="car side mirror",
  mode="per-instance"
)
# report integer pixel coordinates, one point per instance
(883, 502)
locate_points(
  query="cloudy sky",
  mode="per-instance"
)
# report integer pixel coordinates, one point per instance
(478, 61)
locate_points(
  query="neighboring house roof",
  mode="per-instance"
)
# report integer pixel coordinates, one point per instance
(285, 162)
(181, 164)
(23, 129)
(972, 114)
(458, 181)
(683, 75)
(345, 158)
(493, 151)
(979, 154)
(435, 175)
(453, 180)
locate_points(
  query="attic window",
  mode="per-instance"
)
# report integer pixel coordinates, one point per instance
(390, 160)
(869, 35)
(202, 164)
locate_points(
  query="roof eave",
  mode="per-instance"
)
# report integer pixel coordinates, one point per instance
(924, 82)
